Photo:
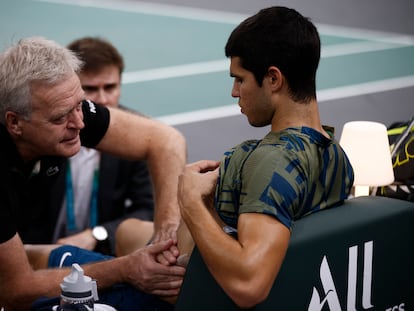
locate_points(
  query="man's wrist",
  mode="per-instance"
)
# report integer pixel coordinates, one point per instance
(166, 229)
(100, 234)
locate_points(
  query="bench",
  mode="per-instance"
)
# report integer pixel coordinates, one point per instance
(357, 256)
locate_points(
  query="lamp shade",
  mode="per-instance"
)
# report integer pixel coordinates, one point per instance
(367, 147)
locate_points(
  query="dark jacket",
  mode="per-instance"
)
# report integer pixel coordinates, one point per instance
(118, 180)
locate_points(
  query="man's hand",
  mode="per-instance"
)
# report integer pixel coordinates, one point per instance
(169, 256)
(152, 277)
(197, 184)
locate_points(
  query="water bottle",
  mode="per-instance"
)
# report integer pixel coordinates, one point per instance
(79, 292)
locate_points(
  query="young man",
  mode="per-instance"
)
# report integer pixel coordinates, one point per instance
(262, 186)
(44, 116)
(240, 212)
(95, 191)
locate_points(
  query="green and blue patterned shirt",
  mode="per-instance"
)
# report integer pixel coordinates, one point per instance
(287, 174)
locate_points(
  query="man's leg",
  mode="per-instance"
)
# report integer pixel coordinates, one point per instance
(132, 234)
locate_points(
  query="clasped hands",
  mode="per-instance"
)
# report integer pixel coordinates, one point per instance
(196, 184)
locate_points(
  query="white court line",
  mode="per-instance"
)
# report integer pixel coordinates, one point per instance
(166, 10)
(365, 34)
(225, 17)
(323, 95)
(365, 88)
(345, 49)
(175, 71)
(223, 64)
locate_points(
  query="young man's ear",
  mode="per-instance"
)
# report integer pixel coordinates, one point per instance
(275, 77)
(13, 123)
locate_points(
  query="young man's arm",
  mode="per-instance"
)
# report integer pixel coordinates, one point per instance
(245, 268)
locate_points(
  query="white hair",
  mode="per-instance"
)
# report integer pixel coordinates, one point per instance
(33, 59)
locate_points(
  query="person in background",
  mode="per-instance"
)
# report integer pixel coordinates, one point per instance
(240, 212)
(96, 191)
(45, 117)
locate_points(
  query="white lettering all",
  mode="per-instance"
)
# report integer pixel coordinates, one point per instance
(330, 294)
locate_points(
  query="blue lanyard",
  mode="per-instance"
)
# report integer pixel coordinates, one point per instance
(70, 211)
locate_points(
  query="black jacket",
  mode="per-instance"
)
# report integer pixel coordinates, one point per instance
(118, 180)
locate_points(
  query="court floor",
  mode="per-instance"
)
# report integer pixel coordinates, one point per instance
(175, 65)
